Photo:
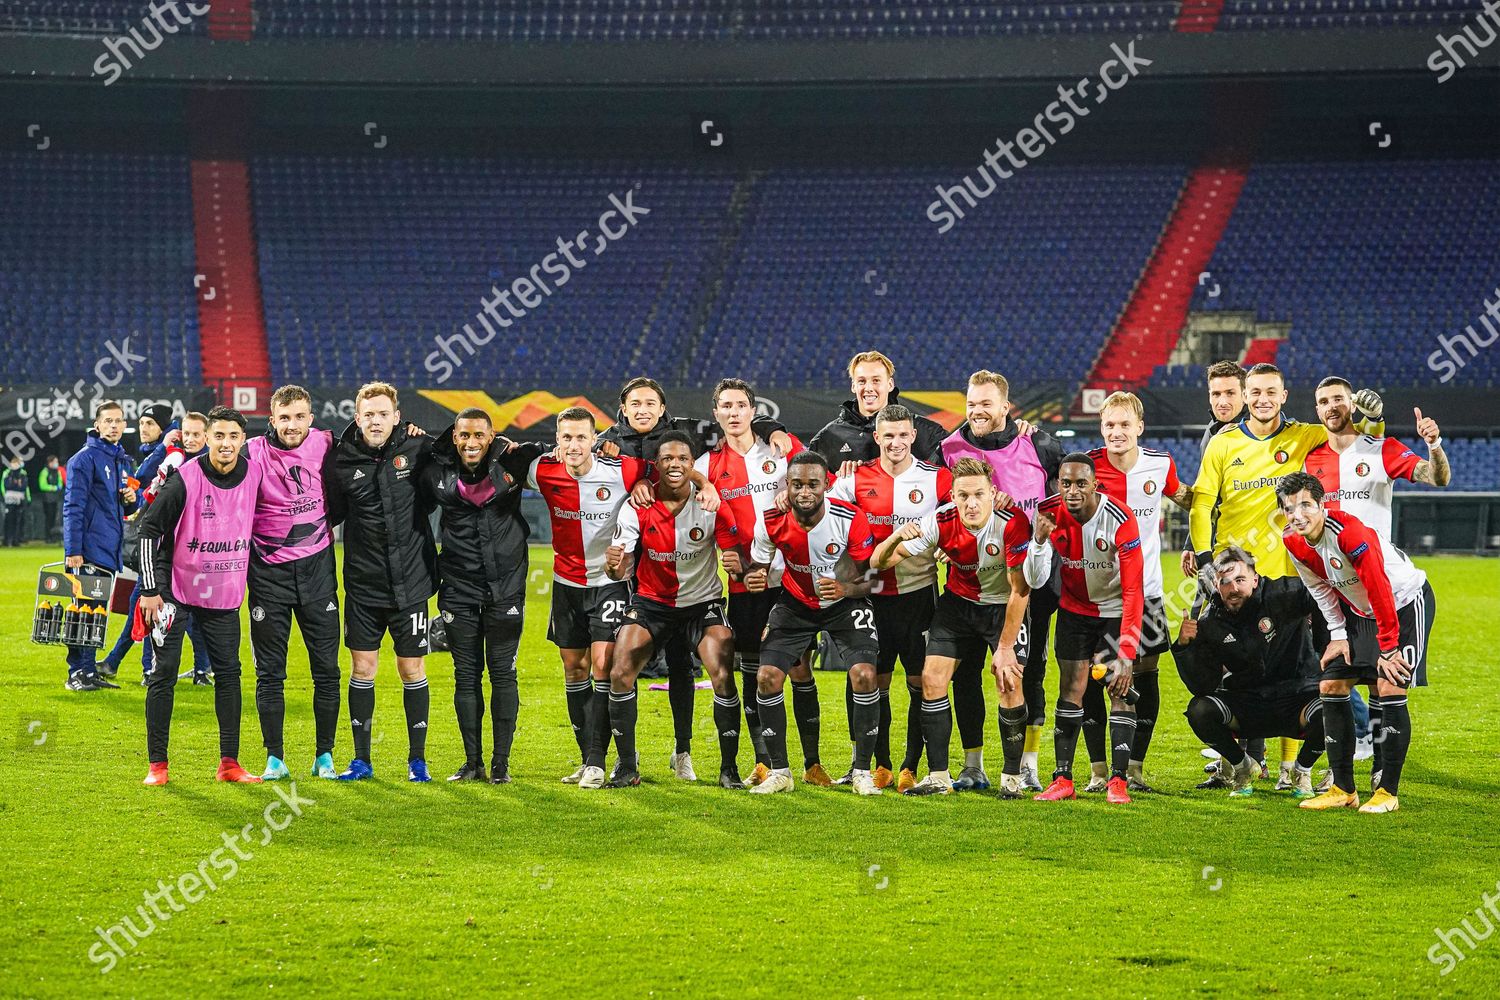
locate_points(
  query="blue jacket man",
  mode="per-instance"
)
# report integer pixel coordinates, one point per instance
(95, 502)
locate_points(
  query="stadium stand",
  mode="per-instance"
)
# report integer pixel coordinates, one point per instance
(103, 250)
(82, 17)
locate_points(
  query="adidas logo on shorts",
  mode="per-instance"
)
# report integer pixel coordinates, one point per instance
(332, 606)
(513, 610)
(359, 473)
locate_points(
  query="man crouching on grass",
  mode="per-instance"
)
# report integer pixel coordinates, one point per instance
(195, 553)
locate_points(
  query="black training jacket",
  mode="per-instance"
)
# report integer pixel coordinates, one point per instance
(1265, 646)
(850, 437)
(702, 433)
(389, 557)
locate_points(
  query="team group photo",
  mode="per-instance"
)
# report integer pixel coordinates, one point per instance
(750, 499)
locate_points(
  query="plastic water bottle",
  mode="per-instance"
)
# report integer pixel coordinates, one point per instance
(1104, 673)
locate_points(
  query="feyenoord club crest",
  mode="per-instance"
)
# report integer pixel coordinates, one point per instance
(399, 461)
(1362, 469)
(258, 613)
(1281, 456)
(696, 534)
(768, 466)
(915, 496)
(1334, 562)
(831, 548)
(1101, 544)
(448, 617)
(51, 583)
(991, 549)
(602, 493)
(1150, 488)
(1265, 626)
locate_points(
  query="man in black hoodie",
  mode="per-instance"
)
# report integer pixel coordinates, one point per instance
(643, 420)
(849, 438)
(390, 566)
(475, 480)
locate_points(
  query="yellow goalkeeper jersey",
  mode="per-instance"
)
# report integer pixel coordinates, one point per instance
(1239, 474)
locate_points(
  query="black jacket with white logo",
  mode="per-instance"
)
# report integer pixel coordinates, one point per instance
(850, 437)
(1265, 646)
(389, 557)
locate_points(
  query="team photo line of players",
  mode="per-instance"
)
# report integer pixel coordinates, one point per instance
(841, 539)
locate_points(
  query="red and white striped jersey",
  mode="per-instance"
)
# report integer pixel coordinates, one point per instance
(978, 562)
(747, 484)
(829, 550)
(1353, 564)
(1360, 479)
(1142, 489)
(676, 563)
(889, 502)
(1102, 575)
(583, 512)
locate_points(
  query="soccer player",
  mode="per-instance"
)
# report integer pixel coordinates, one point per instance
(1238, 475)
(390, 567)
(748, 473)
(896, 490)
(292, 572)
(475, 480)
(195, 554)
(985, 548)
(1026, 467)
(670, 546)
(1357, 470)
(1348, 565)
(850, 438)
(1141, 479)
(825, 545)
(643, 420)
(1098, 544)
(1252, 673)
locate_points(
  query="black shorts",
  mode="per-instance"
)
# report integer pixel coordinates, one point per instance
(902, 621)
(1156, 637)
(1415, 620)
(792, 627)
(1081, 637)
(365, 627)
(1257, 715)
(960, 626)
(664, 621)
(748, 613)
(582, 616)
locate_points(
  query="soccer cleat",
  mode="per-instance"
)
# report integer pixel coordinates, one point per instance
(883, 777)
(323, 766)
(78, 682)
(1286, 781)
(275, 770)
(99, 683)
(1011, 787)
(1304, 788)
(1029, 780)
(906, 781)
(593, 777)
(1061, 788)
(936, 783)
(202, 680)
(1219, 774)
(499, 773)
(1324, 783)
(576, 776)
(1381, 802)
(1117, 793)
(759, 774)
(1243, 777)
(1098, 777)
(1374, 782)
(682, 766)
(1210, 753)
(1265, 770)
(816, 775)
(864, 783)
(1137, 783)
(777, 781)
(1334, 798)
(416, 770)
(230, 770)
(157, 775)
(971, 779)
(730, 778)
(1364, 748)
(107, 668)
(469, 772)
(847, 778)
(624, 779)
(358, 770)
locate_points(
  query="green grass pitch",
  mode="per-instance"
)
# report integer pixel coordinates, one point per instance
(675, 890)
